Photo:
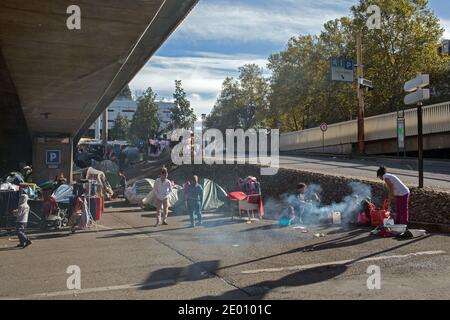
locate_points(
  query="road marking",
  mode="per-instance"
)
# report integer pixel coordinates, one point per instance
(100, 289)
(343, 262)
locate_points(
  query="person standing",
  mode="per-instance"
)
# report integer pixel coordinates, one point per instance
(123, 183)
(22, 220)
(399, 191)
(163, 188)
(194, 201)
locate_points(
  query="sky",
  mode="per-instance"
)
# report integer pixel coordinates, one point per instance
(219, 36)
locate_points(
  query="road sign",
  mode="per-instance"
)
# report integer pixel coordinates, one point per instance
(418, 96)
(421, 81)
(324, 127)
(401, 133)
(364, 83)
(342, 70)
(53, 157)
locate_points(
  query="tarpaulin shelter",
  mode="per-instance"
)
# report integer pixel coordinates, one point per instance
(139, 190)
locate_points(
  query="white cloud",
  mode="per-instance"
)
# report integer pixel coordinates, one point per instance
(202, 75)
(446, 25)
(274, 22)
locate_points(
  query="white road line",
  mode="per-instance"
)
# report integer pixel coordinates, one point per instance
(99, 289)
(343, 262)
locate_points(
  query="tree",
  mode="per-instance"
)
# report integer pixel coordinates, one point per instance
(145, 121)
(301, 93)
(125, 93)
(182, 115)
(120, 129)
(242, 103)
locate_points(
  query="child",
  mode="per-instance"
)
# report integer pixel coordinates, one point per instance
(22, 220)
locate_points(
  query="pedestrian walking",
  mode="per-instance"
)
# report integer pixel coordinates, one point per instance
(163, 189)
(22, 220)
(399, 191)
(194, 201)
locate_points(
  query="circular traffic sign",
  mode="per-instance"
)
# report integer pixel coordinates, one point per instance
(324, 127)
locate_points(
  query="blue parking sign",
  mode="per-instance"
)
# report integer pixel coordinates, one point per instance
(53, 157)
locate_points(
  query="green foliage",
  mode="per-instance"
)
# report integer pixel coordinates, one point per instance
(120, 129)
(300, 93)
(125, 93)
(242, 103)
(182, 115)
(145, 121)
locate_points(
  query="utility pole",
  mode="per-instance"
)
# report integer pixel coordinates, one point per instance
(420, 142)
(360, 74)
(105, 129)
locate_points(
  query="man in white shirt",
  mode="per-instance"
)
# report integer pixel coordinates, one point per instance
(163, 189)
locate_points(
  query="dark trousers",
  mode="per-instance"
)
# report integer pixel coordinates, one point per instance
(20, 227)
(194, 208)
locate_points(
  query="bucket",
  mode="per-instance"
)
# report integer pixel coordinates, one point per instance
(337, 218)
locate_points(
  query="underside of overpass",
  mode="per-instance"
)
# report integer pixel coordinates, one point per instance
(55, 82)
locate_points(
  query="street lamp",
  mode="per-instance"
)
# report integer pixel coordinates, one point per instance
(203, 142)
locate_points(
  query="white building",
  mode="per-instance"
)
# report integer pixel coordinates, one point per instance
(127, 108)
(164, 114)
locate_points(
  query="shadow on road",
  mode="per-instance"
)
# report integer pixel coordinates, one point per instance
(194, 272)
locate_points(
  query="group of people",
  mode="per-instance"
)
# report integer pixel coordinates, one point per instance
(193, 196)
(299, 208)
(302, 204)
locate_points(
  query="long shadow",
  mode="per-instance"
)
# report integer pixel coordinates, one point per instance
(303, 277)
(329, 244)
(194, 272)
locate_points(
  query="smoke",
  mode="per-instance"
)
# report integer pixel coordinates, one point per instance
(314, 209)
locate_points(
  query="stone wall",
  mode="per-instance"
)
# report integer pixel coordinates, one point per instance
(426, 206)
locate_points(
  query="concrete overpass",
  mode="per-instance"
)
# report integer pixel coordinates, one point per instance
(55, 82)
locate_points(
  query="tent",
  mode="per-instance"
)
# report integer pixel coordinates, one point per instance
(214, 197)
(139, 190)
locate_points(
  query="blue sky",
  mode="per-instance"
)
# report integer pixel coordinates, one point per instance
(219, 36)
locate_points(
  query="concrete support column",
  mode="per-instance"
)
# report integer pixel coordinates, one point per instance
(52, 156)
(105, 127)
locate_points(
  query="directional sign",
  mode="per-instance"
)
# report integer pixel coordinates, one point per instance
(53, 157)
(324, 127)
(421, 81)
(401, 133)
(418, 96)
(342, 70)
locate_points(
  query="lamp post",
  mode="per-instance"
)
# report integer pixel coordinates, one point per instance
(203, 123)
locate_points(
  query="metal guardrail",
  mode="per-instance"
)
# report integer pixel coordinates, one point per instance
(436, 119)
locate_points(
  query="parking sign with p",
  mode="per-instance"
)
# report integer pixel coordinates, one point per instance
(53, 157)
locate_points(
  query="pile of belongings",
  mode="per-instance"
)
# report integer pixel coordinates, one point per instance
(139, 191)
(133, 155)
(111, 171)
(100, 177)
(250, 191)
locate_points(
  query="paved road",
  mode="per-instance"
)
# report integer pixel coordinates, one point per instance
(437, 172)
(124, 258)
